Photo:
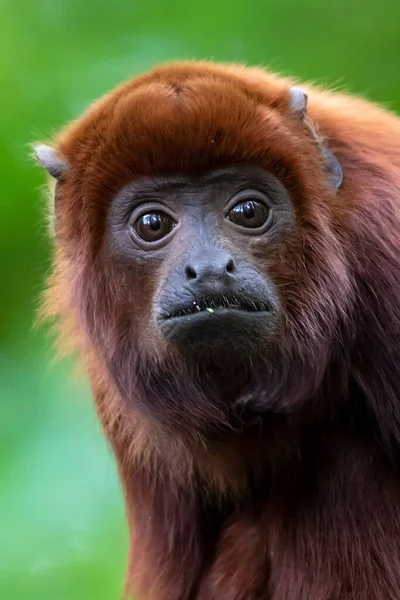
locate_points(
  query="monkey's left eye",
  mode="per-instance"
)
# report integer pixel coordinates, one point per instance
(251, 214)
(153, 226)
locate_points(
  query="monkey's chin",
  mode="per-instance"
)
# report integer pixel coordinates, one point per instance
(221, 330)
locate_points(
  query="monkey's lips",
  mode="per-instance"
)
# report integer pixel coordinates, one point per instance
(219, 303)
(219, 322)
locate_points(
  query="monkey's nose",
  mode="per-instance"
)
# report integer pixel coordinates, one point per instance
(215, 267)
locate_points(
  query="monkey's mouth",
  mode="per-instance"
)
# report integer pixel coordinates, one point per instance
(220, 323)
(215, 304)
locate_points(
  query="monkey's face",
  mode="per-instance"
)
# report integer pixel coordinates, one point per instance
(198, 226)
(201, 247)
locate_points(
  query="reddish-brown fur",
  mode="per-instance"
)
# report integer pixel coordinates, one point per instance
(305, 506)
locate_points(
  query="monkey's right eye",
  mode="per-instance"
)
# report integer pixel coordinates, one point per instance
(153, 226)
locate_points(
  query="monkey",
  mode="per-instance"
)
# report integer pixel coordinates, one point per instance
(226, 266)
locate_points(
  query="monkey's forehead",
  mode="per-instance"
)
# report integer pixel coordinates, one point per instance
(182, 118)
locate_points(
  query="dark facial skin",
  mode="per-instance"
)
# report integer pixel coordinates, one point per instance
(199, 237)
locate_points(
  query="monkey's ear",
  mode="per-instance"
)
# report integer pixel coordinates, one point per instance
(298, 106)
(49, 158)
(298, 102)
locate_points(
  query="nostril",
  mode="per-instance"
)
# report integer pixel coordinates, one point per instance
(230, 267)
(190, 272)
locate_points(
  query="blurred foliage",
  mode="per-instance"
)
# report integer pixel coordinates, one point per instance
(62, 533)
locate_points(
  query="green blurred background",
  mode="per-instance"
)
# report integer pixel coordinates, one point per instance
(62, 532)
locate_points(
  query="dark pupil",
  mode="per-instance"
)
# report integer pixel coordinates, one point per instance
(152, 221)
(251, 213)
(248, 210)
(153, 226)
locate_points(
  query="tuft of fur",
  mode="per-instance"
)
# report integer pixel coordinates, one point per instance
(304, 502)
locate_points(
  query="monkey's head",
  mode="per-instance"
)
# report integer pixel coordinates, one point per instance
(196, 244)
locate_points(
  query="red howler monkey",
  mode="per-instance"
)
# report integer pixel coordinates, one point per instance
(227, 265)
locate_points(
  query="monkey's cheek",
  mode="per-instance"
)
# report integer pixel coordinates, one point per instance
(221, 332)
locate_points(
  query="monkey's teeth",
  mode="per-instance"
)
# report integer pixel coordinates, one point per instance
(214, 305)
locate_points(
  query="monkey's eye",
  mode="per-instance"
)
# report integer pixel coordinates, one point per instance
(250, 214)
(153, 226)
